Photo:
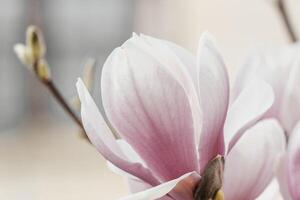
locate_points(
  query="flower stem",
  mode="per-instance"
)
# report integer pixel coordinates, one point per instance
(284, 15)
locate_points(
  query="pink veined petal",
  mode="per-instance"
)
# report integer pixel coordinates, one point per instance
(293, 162)
(252, 103)
(213, 93)
(249, 166)
(179, 70)
(187, 58)
(101, 136)
(290, 109)
(150, 110)
(180, 189)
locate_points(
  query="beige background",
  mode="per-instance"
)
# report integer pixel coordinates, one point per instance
(41, 158)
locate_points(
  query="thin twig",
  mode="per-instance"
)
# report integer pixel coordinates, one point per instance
(56, 94)
(48, 83)
(284, 14)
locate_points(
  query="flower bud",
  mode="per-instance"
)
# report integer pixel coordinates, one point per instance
(35, 43)
(43, 71)
(211, 180)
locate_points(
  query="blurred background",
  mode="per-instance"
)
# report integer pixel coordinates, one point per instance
(41, 153)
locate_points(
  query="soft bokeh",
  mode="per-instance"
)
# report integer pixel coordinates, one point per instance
(41, 153)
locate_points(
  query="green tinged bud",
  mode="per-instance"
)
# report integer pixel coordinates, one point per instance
(35, 43)
(43, 70)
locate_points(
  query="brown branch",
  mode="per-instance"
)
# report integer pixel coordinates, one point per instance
(284, 15)
(56, 94)
(59, 98)
(48, 83)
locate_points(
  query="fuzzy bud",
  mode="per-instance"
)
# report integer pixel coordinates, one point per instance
(35, 43)
(43, 71)
(23, 54)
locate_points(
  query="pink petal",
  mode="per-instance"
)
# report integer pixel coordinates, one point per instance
(150, 110)
(290, 110)
(187, 59)
(178, 63)
(252, 103)
(180, 189)
(101, 136)
(293, 162)
(249, 165)
(213, 87)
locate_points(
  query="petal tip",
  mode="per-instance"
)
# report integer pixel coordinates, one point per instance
(207, 37)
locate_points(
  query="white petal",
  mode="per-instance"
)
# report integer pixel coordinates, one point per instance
(137, 185)
(187, 59)
(293, 162)
(101, 136)
(272, 65)
(129, 152)
(249, 166)
(283, 177)
(213, 90)
(158, 191)
(252, 103)
(290, 110)
(272, 192)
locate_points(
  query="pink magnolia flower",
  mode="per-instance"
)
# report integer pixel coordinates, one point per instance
(173, 116)
(281, 69)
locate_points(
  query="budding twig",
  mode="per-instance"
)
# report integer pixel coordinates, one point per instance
(32, 55)
(59, 98)
(284, 14)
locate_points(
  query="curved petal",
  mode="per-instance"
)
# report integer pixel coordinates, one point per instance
(150, 110)
(173, 64)
(180, 188)
(129, 152)
(272, 65)
(134, 183)
(293, 161)
(137, 185)
(283, 177)
(290, 110)
(213, 93)
(101, 136)
(272, 192)
(249, 165)
(252, 103)
(131, 156)
(187, 59)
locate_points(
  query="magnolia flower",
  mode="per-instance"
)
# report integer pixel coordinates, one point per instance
(281, 69)
(179, 137)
